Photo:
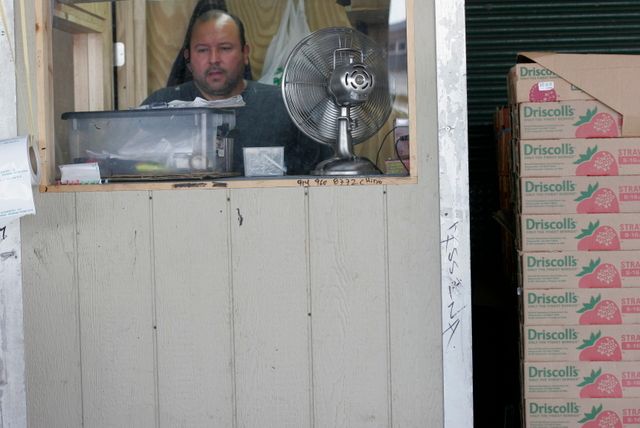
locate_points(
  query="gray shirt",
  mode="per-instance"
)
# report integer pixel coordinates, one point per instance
(262, 122)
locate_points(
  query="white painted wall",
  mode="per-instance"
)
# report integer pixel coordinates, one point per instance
(13, 411)
(286, 307)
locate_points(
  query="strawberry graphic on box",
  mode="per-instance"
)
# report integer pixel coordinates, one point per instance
(596, 125)
(598, 311)
(595, 200)
(538, 95)
(598, 385)
(601, 419)
(596, 237)
(594, 162)
(599, 275)
(598, 348)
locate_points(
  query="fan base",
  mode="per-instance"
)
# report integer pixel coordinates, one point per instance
(350, 166)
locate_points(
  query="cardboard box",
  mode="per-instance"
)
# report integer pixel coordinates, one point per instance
(582, 232)
(607, 78)
(581, 306)
(580, 156)
(567, 119)
(580, 269)
(585, 413)
(577, 379)
(531, 82)
(397, 166)
(581, 342)
(581, 195)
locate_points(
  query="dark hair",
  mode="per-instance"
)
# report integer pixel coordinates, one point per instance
(202, 12)
(209, 15)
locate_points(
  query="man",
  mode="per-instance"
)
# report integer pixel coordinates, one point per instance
(217, 54)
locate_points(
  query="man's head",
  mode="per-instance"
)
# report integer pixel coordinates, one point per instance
(217, 54)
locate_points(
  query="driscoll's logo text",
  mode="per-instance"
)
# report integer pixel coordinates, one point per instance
(551, 262)
(566, 223)
(569, 297)
(566, 334)
(570, 408)
(537, 187)
(536, 72)
(536, 112)
(545, 372)
(563, 149)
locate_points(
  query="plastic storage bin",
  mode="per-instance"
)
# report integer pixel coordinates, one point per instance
(164, 143)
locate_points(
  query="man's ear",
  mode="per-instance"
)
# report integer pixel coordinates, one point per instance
(245, 54)
(185, 53)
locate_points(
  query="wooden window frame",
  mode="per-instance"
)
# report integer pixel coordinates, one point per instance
(46, 138)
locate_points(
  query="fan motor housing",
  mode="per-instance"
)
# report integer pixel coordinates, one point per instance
(351, 84)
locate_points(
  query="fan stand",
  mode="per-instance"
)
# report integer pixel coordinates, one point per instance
(345, 162)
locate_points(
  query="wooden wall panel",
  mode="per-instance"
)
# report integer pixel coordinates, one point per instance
(131, 29)
(116, 309)
(271, 322)
(349, 295)
(415, 307)
(51, 323)
(193, 308)
(414, 255)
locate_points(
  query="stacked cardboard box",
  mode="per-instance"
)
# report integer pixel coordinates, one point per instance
(575, 163)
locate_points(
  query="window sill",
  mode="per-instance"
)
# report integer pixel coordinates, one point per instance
(235, 183)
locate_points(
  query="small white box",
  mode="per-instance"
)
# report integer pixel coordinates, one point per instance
(263, 161)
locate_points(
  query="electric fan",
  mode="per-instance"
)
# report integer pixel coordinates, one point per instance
(335, 88)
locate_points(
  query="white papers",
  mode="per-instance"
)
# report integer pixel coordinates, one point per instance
(16, 177)
(80, 173)
(235, 101)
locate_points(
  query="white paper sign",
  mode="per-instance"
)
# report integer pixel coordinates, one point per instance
(16, 195)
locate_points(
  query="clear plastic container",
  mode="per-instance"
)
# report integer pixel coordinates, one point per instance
(153, 143)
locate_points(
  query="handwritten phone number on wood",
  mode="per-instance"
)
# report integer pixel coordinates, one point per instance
(338, 181)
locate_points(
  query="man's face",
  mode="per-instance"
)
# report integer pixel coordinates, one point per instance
(217, 59)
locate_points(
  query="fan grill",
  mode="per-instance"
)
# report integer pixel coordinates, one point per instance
(305, 86)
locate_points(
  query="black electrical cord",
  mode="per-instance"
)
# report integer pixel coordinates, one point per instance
(382, 144)
(395, 146)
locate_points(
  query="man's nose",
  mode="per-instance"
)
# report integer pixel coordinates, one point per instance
(214, 56)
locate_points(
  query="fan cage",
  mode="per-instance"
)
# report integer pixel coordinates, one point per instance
(305, 86)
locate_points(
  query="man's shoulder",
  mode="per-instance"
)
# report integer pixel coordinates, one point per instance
(183, 92)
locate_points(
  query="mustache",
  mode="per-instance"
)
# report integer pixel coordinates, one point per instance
(215, 69)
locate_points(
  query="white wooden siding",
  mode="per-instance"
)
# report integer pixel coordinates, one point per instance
(13, 410)
(51, 319)
(262, 308)
(193, 309)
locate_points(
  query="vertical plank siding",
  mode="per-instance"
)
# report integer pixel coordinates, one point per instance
(192, 309)
(269, 271)
(51, 321)
(349, 307)
(116, 332)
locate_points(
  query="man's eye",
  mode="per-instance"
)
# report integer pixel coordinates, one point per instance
(202, 50)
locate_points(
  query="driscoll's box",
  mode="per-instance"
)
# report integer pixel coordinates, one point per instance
(535, 83)
(581, 343)
(585, 413)
(582, 232)
(567, 119)
(581, 306)
(578, 156)
(575, 269)
(575, 379)
(582, 195)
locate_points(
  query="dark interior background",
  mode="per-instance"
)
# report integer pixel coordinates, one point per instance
(496, 31)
